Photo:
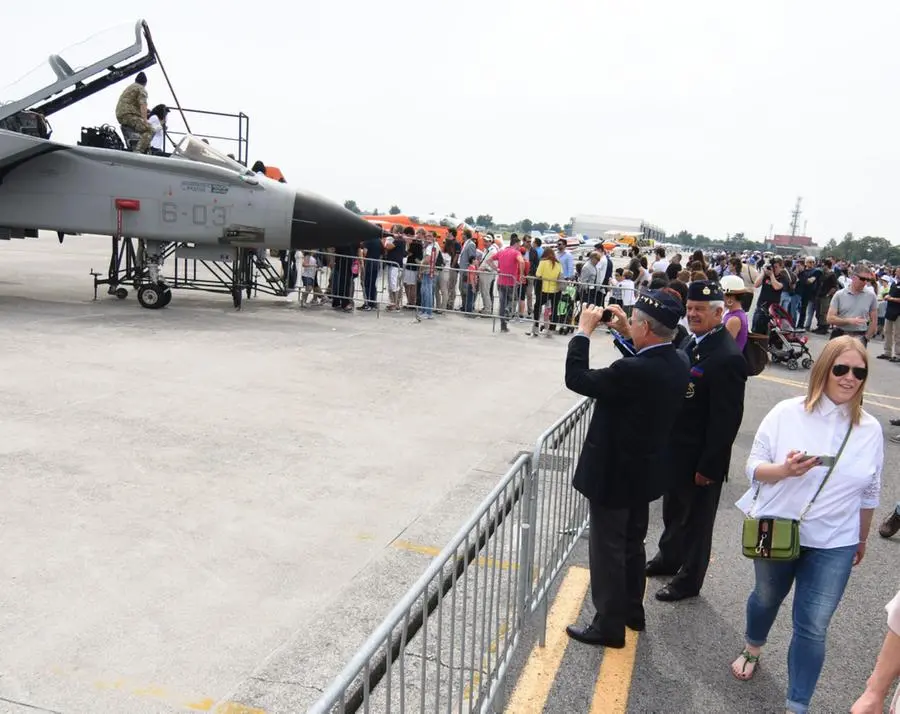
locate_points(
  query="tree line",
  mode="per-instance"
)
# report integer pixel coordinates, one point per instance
(526, 225)
(872, 248)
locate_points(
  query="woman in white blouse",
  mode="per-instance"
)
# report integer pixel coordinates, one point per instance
(785, 466)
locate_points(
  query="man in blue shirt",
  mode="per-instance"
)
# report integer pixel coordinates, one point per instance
(566, 260)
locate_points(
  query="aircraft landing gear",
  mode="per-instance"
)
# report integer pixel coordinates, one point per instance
(154, 297)
(154, 294)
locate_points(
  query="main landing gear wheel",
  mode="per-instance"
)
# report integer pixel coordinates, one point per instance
(154, 297)
(807, 362)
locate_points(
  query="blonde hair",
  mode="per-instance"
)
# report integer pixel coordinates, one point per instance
(818, 378)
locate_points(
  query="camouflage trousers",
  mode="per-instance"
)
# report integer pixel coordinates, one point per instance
(142, 127)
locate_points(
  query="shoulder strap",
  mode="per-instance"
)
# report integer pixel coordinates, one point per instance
(821, 485)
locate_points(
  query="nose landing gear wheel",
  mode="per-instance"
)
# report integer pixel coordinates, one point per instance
(154, 297)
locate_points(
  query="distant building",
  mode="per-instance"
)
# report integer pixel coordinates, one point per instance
(792, 245)
(596, 226)
(793, 241)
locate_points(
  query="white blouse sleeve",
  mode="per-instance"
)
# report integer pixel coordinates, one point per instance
(893, 614)
(871, 497)
(763, 449)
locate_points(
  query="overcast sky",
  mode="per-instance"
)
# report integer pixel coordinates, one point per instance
(691, 114)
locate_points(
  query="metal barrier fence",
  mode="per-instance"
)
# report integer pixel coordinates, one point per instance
(447, 645)
(352, 282)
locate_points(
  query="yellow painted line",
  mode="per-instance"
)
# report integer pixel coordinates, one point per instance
(870, 403)
(533, 687)
(432, 552)
(803, 385)
(614, 680)
(492, 650)
(781, 380)
(152, 691)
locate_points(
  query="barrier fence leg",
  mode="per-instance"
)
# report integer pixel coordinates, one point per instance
(542, 615)
(526, 554)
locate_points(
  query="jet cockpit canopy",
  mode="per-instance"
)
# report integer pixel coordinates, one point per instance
(190, 147)
(67, 73)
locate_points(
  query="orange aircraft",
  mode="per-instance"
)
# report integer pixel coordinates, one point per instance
(388, 221)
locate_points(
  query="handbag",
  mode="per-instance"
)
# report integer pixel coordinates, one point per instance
(755, 353)
(770, 538)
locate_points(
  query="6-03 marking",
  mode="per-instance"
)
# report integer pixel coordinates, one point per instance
(200, 214)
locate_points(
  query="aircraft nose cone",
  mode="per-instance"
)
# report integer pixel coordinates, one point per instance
(320, 223)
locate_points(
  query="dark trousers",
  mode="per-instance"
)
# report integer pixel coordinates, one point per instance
(507, 292)
(617, 560)
(370, 283)
(689, 515)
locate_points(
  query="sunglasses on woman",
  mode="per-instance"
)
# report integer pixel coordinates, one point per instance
(839, 370)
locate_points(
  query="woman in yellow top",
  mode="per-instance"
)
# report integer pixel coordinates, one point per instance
(549, 272)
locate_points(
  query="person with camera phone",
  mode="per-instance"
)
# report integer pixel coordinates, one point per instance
(815, 476)
(620, 471)
(771, 281)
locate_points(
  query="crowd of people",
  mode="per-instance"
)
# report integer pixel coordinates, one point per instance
(699, 395)
(814, 469)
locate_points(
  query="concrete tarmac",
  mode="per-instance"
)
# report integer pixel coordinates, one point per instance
(209, 510)
(681, 663)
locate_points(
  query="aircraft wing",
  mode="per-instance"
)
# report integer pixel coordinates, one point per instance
(17, 149)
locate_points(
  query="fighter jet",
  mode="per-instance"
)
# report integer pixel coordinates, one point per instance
(197, 195)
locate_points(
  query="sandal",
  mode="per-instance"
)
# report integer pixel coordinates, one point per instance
(748, 659)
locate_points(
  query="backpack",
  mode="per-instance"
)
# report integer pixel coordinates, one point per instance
(755, 353)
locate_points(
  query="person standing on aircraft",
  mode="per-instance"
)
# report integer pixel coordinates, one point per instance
(709, 420)
(131, 111)
(619, 470)
(157, 120)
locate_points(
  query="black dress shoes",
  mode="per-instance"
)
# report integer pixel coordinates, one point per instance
(591, 636)
(670, 593)
(656, 568)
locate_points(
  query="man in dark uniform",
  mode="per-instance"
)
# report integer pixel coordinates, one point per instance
(623, 462)
(701, 443)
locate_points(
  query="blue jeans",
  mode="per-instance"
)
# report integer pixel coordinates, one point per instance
(426, 294)
(820, 574)
(469, 305)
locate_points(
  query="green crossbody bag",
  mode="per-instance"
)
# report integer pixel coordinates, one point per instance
(779, 538)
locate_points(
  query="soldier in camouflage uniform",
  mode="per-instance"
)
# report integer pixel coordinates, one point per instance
(131, 111)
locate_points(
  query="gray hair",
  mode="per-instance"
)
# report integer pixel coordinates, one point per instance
(716, 304)
(656, 327)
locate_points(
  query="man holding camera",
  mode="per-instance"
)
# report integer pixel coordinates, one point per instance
(620, 469)
(772, 280)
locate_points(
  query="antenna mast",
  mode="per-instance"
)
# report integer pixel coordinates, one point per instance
(795, 216)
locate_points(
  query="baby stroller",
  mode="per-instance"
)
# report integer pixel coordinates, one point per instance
(565, 310)
(785, 343)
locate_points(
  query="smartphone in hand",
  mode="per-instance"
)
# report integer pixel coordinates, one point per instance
(827, 461)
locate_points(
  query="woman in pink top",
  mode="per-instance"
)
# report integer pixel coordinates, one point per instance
(510, 269)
